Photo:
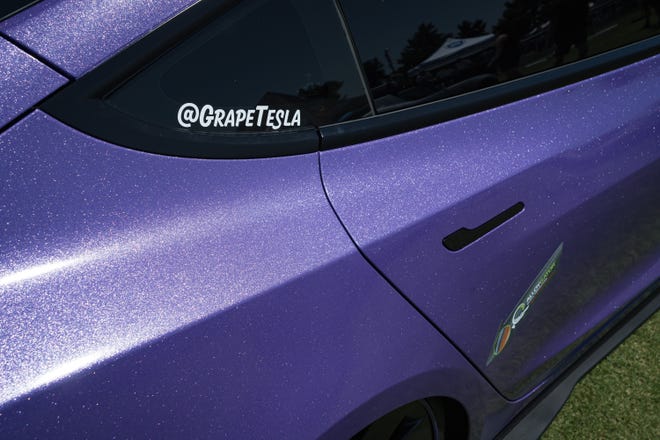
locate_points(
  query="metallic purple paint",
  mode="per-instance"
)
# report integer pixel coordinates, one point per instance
(584, 159)
(77, 35)
(104, 248)
(167, 297)
(198, 298)
(24, 81)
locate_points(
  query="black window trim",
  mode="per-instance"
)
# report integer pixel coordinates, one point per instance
(356, 55)
(11, 12)
(81, 106)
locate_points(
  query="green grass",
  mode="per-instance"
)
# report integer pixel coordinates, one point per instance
(620, 397)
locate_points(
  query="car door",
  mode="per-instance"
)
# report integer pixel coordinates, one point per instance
(523, 231)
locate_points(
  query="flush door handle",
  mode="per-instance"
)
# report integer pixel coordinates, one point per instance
(463, 237)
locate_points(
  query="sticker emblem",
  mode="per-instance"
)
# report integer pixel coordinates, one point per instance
(506, 329)
(190, 114)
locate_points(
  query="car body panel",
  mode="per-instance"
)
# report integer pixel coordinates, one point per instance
(77, 35)
(24, 81)
(159, 296)
(584, 159)
(162, 297)
(79, 215)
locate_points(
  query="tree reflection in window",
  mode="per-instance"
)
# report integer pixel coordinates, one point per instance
(424, 50)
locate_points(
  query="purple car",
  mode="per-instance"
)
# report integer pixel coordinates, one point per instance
(338, 219)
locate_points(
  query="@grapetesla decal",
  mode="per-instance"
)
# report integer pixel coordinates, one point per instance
(522, 307)
(261, 116)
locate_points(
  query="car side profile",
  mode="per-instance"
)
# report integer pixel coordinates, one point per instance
(338, 219)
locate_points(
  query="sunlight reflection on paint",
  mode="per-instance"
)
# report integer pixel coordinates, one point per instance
(134, 243)
(68, 368)
(39, 270)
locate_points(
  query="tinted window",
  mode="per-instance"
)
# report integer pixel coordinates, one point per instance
(415, 51)
(269, 65)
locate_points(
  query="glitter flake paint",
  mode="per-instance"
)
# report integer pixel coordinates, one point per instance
(24, 81)
(77, 35)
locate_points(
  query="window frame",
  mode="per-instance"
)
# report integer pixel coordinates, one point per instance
(81, 104)
(435, 112)
(7, 12)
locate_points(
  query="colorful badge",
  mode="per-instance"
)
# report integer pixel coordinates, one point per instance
(505, 330)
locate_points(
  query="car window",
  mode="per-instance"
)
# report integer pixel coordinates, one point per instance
(262, 66)
(417, 51)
